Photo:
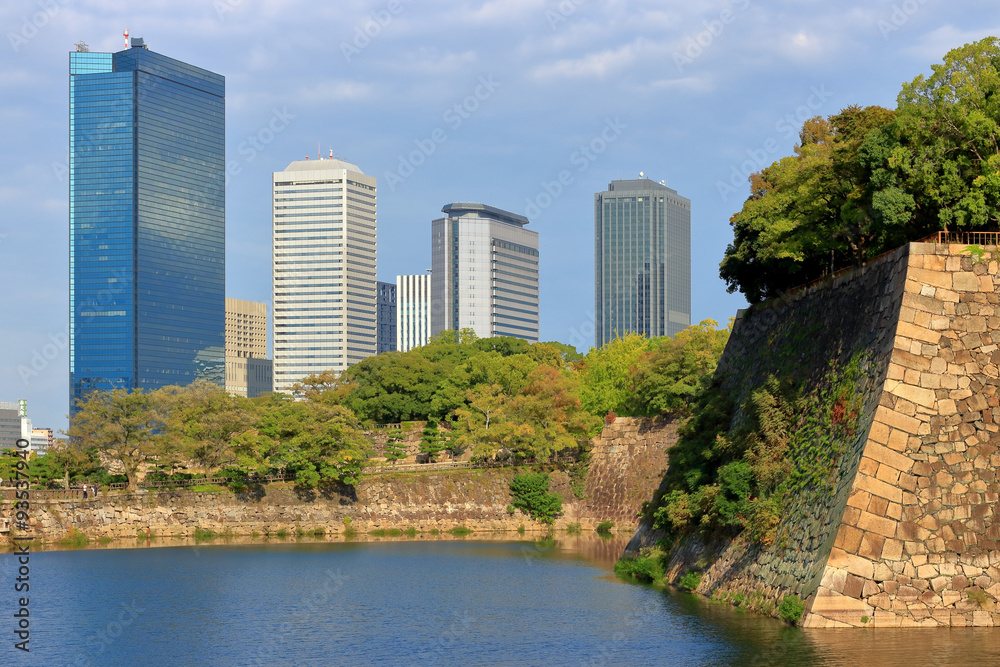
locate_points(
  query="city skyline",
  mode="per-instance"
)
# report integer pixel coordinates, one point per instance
(532, 106)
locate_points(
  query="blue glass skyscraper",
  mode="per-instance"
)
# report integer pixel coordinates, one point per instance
(146, 222)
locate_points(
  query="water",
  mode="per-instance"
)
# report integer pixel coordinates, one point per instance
(413, 602)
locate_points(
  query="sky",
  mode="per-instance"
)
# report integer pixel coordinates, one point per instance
(528, 105)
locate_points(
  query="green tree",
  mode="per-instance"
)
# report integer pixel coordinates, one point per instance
(531, 494)
(202, 422)
(321, 444)
(667, 379)
(605, 384)
(431, 440)
(119, 424)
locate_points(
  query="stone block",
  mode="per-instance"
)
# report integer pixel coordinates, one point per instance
(877, 487)
(921, 334)
(935, 279)
(896, 420)
(963, 281)
(871, 546)
(848, 538)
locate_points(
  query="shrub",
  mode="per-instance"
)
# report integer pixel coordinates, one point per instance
(604, 527)
(531, 494)
(572, 529)
(791, 608)
(460, 531)
(647, 566)
(73, 538)
(690, 580)
(410, 532)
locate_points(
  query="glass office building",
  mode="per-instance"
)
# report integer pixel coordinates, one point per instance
(146, 222)
(642, 260)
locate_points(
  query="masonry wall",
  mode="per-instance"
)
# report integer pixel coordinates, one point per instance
(626, 466)
(907, 537)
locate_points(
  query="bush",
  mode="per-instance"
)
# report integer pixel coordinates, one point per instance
(203, 534)
(604, 527)
(791, 608)
(648, 567)
(572, 529)
(460, 531)
(690, 580)
(531, 494)
(74, 539)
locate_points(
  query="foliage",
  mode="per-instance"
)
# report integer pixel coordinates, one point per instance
(666, 379)
(531, 495)
(461, 531)
(431, 440)
(867, 180)
(690, 580)
(791, 608)
(605, 380)
(572, 528)
(74, 539)
(120, 424)
(648, 566)
(604, 527)
(788, 447)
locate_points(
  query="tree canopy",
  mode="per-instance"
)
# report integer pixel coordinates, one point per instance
(868, 179)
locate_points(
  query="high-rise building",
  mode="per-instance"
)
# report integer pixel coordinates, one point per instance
(413, 311)
(248, 370)
(324, 245)
(10, 423)
(386, 312)
(484, 272)
(642, 260)
(146, 221)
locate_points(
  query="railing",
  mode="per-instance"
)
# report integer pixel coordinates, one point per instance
(385, 427)
(45, 494)
(965, 238)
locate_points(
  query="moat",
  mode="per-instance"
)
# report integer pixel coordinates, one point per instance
(378, 601)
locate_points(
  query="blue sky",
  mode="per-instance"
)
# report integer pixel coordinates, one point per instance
(453, 101)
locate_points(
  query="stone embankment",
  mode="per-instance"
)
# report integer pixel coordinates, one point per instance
(626, 465)
(908, 536)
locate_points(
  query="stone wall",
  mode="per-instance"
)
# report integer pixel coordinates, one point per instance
(626, 466)
(907, 536)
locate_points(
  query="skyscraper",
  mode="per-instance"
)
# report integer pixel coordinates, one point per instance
(146, 221)
(386, 317)
(413, 311)
(642, 260)
(484, 272)
(324, 243)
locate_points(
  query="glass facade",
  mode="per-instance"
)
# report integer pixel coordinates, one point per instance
(386, 315)
(642, 260)
(147, 222)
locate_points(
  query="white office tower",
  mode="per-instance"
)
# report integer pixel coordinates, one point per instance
(324, 243)
(484, 272)
(413, 311)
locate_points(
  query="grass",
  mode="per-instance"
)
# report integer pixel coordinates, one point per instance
(435, 531)
(204, 534)
(410, 532)
(318, 531)
(461, 531)
(349, 533)
(572, 529)
(282, 534)
(207, 488)
(104, 539)
(378, 532)
(647, 566)
(791, 608)
(73, 538)
(604, 527)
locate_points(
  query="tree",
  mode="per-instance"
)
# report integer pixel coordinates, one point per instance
(867, 180)
(604, 373)
(119, 424)
(321, 444)
(667, 379)
(431, 442)
(202, 422)
(531, 494)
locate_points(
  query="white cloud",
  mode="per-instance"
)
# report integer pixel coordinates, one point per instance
(594, 65)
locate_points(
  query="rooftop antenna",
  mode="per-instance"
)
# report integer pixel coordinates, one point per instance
(331, 153)
(642, 175)
(81, 47)
(319, 151)
(126, 37)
